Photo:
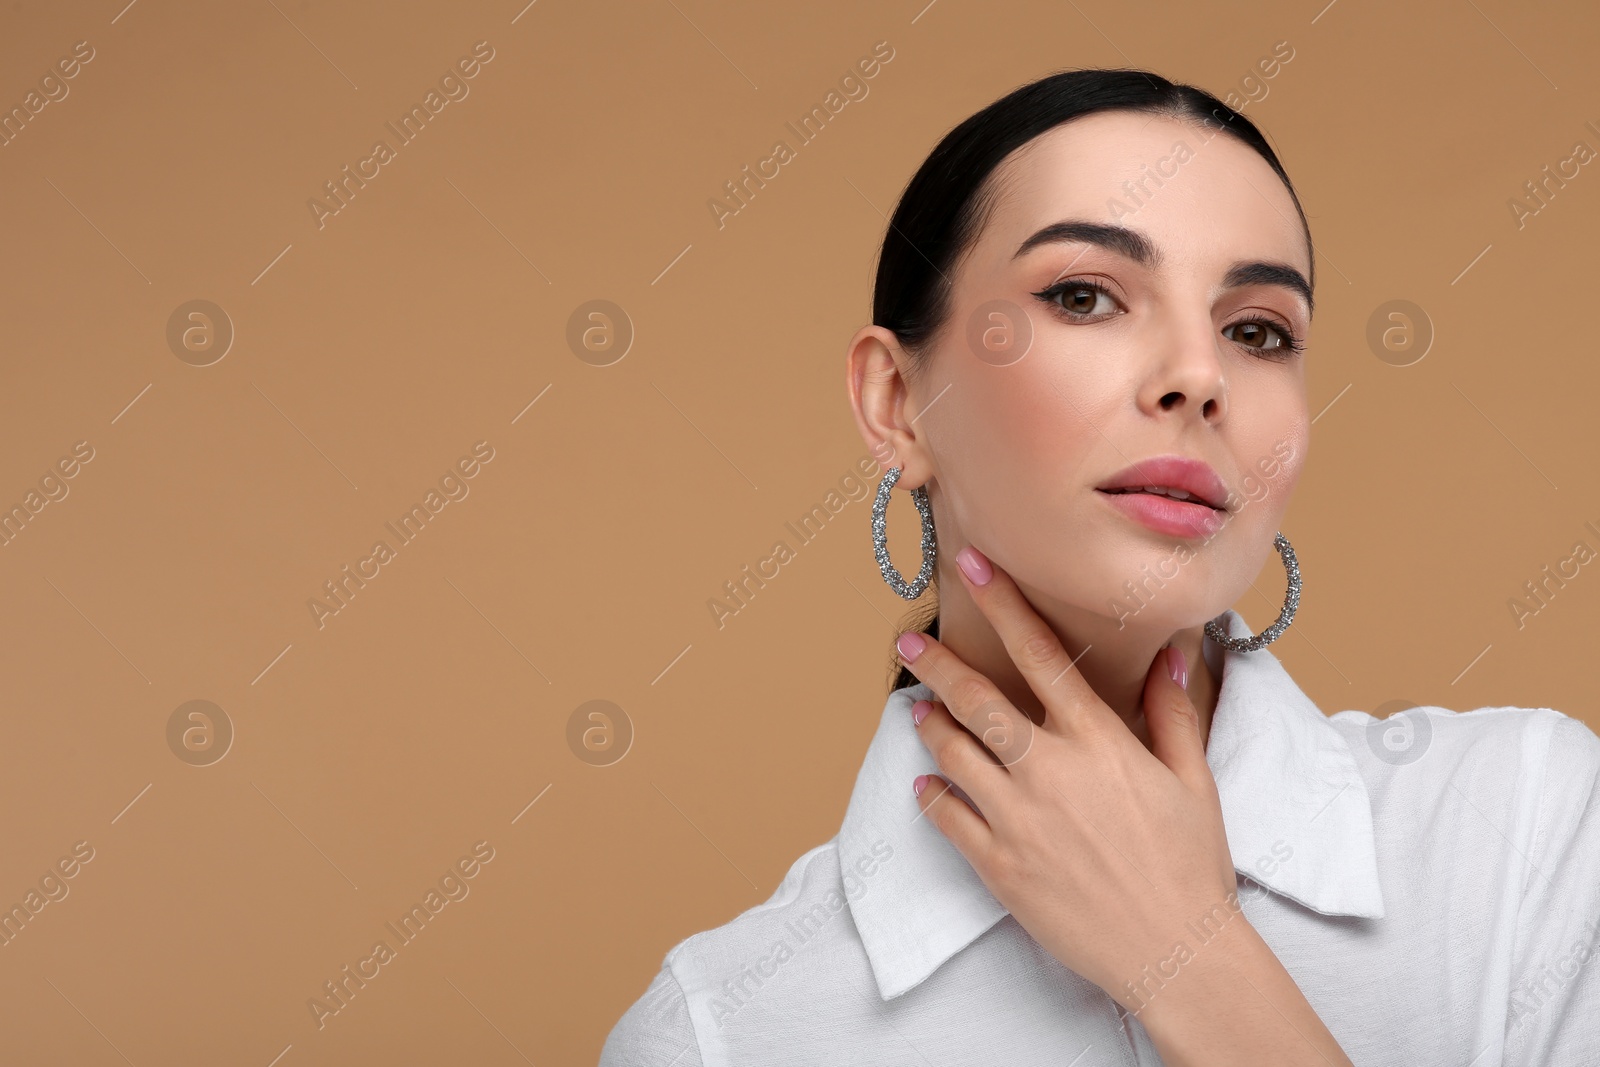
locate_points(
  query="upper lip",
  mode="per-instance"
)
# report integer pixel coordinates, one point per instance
(1173, 471)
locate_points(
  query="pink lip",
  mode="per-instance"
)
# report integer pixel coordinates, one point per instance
(1177, 518)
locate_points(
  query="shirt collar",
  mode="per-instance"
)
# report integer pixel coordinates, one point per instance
(1293, 801)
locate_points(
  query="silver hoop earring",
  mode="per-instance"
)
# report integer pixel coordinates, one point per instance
(1291, 604)
(880, 538)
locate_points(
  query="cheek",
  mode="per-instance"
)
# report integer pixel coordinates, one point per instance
(1289, 477)
(1269, 441)
(1022, 434)
(1018, 446)
(1280, 466)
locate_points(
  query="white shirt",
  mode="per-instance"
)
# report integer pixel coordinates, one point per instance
(1431, 881)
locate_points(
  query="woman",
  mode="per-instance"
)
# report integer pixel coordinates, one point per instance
(1093, 826)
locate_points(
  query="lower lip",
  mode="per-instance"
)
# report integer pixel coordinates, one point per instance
(1164, 514)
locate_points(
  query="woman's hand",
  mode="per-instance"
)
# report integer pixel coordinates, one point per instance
(1111, 855)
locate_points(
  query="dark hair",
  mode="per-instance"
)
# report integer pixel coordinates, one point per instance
(948, 201)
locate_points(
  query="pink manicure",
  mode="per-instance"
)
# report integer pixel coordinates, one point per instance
(910, 645)
(919, 783)
(975, 566)
(1177, 666)
(919, 711)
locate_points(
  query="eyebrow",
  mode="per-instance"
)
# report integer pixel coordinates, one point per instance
(1131, 244)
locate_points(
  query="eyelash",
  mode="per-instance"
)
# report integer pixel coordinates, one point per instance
(1292, 344)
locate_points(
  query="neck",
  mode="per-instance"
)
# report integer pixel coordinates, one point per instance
(1113, 661)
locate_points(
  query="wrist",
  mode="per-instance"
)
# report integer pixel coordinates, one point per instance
(1232, 1001)
(1201, 972)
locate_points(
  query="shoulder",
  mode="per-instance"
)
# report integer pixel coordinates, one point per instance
(655, 1031)
(1518, 738)
(1569, 809)
(810, 878)
(659, 1029)
(1533, 763)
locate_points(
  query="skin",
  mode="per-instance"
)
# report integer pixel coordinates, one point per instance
(1056, 711)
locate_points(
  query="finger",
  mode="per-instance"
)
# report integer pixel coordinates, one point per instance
(971, 698)
(1174, 725)
(1003, 736)
(954, 818)
(1032, 645)
(937, 727)
(961, 757)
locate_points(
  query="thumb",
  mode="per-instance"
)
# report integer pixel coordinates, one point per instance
(1173, 722)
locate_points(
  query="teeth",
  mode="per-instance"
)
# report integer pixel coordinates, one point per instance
(1161, 490)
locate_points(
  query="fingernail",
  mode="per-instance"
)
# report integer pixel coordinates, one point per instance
(919, 711)
(919, 783)
(910, 645)
(1177, 666)
(974, 566)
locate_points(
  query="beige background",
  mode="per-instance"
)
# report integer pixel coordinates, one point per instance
(372, 352)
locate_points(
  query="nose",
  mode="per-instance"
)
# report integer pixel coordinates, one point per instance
(1187, 377)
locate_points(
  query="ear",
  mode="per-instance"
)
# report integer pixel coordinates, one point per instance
(884, 404)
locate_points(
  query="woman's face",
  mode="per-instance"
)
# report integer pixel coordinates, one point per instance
(1169, 335)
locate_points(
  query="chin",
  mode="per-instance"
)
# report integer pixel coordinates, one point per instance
(1162, 622)
(1161, 594)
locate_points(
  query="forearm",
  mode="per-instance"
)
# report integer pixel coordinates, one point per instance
(1232, 1002)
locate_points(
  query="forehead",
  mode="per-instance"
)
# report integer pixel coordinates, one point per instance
(1203, 197)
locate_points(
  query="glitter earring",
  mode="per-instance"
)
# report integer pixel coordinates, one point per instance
(880, 538)
(1291, 603)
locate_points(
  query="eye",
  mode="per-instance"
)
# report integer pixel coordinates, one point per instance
(1077, 298)
(1273, 338)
